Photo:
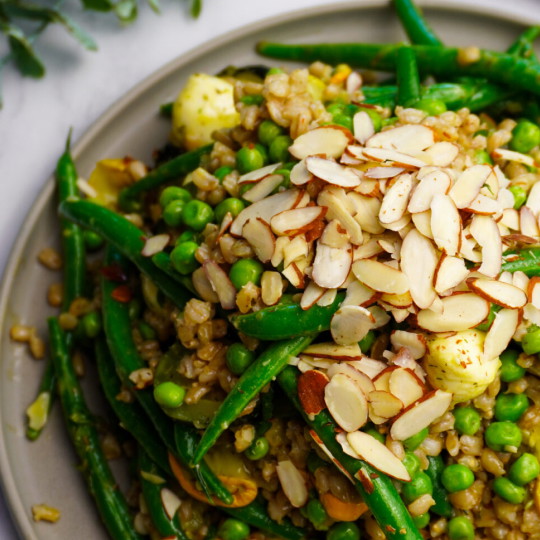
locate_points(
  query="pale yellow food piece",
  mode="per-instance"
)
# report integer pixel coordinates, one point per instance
(42, 512)
(108, 178)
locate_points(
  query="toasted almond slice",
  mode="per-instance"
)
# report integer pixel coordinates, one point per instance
(281, 243)
(404, 359)
(221, 284)
(400, 225)
(295, 250)
(420, 414)
(225, 225)
(258, 174)
(341, 438)
(409, 139)
(382, 379)
(380, 315)
(469, 184)
(170, 501)
(445, 224)
(418, 263)
(441, 154)
(367, 212)
(271, 287)
(491, 187)
(300, 175)
(379, 173)
(406, 386)
(333, 351)
(266, 209)
(155, 244)
(422, 222)
(485, 231)
(346, 402)
(531, 314)
(339, 207)
(399, 301)
(350, 324)
(533, 199)
(435, 182)
(380, 276)
(335, 235)
(383, 405)
(378, 455)
(359, 295)
(347, 159)
(294, 275)
(263, 188)
(353, 82)
(484, 206)
(415, 343)
(502, 294)
(259, 235)
(368, 366)
(450, 272)
(367, 251)
(324, 448)
(331, 265)
(392, 158)
(332, 172)
(500, 333)
(395, 201)
(533, 291)
(297, 220)
(460, 312)
(469, 248)
(510, 219)
(520, 280)
(311, 294)
(527, 222)
(327, 298)
(311, 385)
(292, 482)
(506, 277)
(363, 381)
(203, 286)
(329, 140)
(369, 188)
(510, 155)
(362, 126)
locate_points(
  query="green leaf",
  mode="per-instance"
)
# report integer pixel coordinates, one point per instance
(154, 4)
(196, 6)
(98, 5)
(85, 39)
(126, 10)
(22, 51)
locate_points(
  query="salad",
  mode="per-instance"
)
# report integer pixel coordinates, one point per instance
(318, 314)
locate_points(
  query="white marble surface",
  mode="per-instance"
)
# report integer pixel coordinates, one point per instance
(80, 86)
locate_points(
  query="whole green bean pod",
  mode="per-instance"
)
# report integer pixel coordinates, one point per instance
(408, 90)
(377, 490)
(171, 170)
(523, 46)
(415, 24)
(124, 352)
(442, 506)
(446, 62)
(253, 380)
(125, 237)
(109, 499)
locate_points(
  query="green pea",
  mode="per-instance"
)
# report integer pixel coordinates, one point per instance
(252, 99)
(316, 513)
(525, 136)
(286, 173)
(457, 477)
(367, 341)
(503, 436)
(147, 332)
(460, 528)
(174, 193)
(345, 530)
(169, 394)
(264, 152)
(92, 240)
(343, 120)
(389, 121)
(134, 309)
(351, 109)
(510, 406)
(378, 122)
(91, 324)
(412, 463)
(422, 520)
(239, 358)
(524, 470)
(314, 462)
(173, 212)
(258, 449)
(279, 149)
(268, 131)
(507, 490)
(249, 158)
(376, 434)
(530, 342)
(245, 270)
(232, 205)
(433, 107)
(467, 420)
(419, 485)
(197, 214)
(482, 157)
(274, 71)
(335, 107)
(520, 196)
(510, 369)
(183, 258)
(222, 172)
(412, 443)
(233, 529)
(187, 236)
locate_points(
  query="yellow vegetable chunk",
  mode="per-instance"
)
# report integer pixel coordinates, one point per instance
(205, 105)
(108, 178)
(455, 363)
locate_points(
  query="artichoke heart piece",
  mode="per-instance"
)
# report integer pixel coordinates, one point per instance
(455, 363)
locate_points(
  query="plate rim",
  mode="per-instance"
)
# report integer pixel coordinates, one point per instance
(20, 517)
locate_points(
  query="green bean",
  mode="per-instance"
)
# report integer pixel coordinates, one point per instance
(415, 25)
(127, 238)
(110, 501)
(526, 260)
(407, 77)
(442, 507)
(523, 46)
(438, 61)
(257, 375)
(376, 489)
(171, 170)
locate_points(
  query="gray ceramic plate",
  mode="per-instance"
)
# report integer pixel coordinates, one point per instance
(45, 471)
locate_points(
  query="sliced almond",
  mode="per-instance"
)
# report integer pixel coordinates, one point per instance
(300, 175)
(393, 158)
(520, 280)
(369, 187)
(422, 222)
(331, 265)
(380, 315)
(369, 367)
(271, 287)
(395, 201)
(367, 212)
(294, 274)
(533, 199)
(415, 343)
(329, 140)
(363, 381)
(368, 250)
(500, 333)
(382, 379)
(311, 385)
(420, 414)
(259, 236)
(441, 154)
(225, 225)
(450, 272)
(383, 405)
(406, 386)
(359, 295)
(409, 139)
(469, 184)
(221, 284)
(528, 224)
(485, 231)
(341, 438)
(418, 262)
(258, 174)
(383, 172)
(339, 207)
(263, 188)
(435, 182)
(346, 402)
(469, 248)
(445, 224)
(380, 276)
(362, 126)
(502, 294)
(333, 351)
(155, 244)
(297, 220)
(510, 155)
(202, 285)
(332, 172)
(170, 502)
(485, 206)
(292, 482)
(533, 291)
(353, 82)
(377, 455)
(311, 294)
(491, 187)
(335, 235)
(460, 312)
(327, 298)
(350, 324)
(399, 301)
(404, 359)
(295, 250)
